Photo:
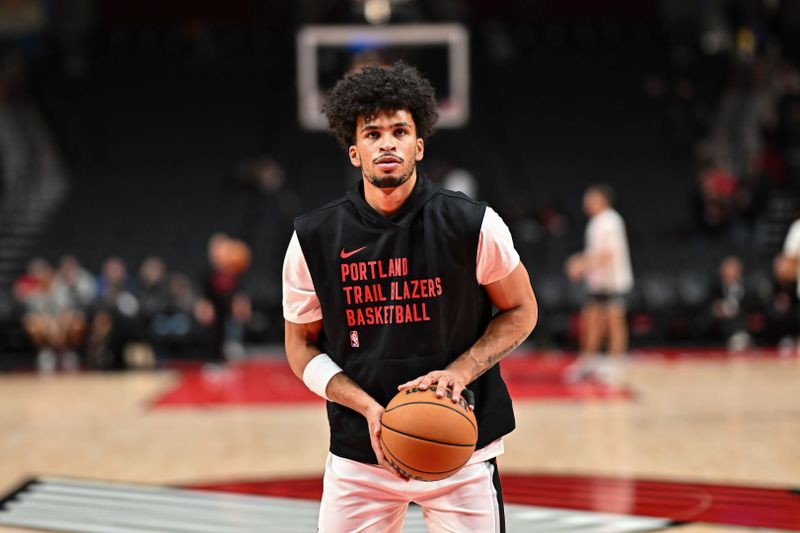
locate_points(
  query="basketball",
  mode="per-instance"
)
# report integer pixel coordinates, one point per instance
(425, 437)
(238, 257)
(230, 256)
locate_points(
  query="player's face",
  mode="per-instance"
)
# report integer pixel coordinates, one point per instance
(593, 203)
(387, 148)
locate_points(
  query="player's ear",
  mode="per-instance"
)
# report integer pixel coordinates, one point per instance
(355, 159)
(420, 149)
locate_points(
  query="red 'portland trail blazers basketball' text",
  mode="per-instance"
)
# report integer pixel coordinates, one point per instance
(365, 302)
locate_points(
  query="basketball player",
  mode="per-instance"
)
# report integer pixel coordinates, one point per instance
(789, 262)
(605, 268)
(791, 249)
(392, 286)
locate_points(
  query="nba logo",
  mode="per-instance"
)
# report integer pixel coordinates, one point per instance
(354, 339)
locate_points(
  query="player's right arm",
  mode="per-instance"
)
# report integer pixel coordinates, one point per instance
(303, 325)
(301, 349)
(301, 344)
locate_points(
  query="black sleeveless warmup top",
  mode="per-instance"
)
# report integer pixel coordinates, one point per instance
(400, 298)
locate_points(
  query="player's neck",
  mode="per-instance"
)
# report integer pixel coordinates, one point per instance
(388, 201)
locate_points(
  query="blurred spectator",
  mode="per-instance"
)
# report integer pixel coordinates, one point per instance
(229, 259)
(182, 327)
(32, 284)
(54, 305)
(151, 289)
(74, 289)
(151, 293)
(74, 284)
(729, 307)
(716, 198)
(605, 268)
(115, 312)
(34, 290)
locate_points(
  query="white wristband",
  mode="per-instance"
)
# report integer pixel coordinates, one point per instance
(319, 372)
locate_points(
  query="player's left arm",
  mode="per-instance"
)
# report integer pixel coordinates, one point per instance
(514, 297)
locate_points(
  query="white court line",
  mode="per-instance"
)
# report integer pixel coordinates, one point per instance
(80, 506)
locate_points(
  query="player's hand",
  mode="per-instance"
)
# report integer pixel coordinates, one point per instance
(575, 267)
(443, 380)
(373, 416)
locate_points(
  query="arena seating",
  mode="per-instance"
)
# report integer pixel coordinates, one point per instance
(156, 131)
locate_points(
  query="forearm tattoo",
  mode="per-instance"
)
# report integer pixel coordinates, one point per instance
(481, 366)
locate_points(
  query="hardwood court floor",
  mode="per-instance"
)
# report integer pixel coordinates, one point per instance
(708, 419)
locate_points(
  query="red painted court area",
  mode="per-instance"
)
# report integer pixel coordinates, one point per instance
(682, 502)
(536, 377)
(270, 381)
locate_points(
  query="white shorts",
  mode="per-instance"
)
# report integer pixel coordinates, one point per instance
(362, 498)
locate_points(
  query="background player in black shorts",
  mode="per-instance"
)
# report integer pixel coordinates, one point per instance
(604, 266)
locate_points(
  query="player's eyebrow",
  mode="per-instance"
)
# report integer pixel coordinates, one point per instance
(395, 125)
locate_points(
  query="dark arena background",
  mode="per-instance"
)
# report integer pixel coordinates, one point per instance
(153, 156)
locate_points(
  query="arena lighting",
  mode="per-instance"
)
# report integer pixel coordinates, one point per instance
(440, 51)
(377, 11)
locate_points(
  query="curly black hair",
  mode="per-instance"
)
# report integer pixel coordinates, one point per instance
(380, 88)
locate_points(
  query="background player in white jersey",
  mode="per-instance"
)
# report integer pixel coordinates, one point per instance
(605, 268)
(791, 251)
(787, 265)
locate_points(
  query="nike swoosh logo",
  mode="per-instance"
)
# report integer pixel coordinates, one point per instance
(345, 255)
